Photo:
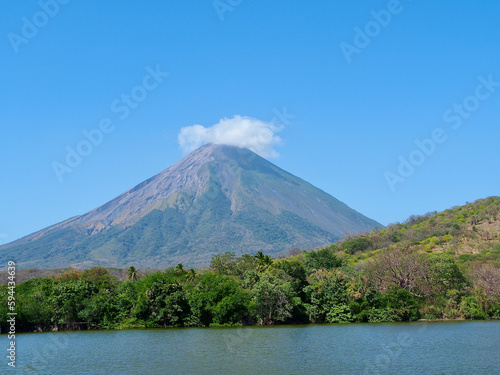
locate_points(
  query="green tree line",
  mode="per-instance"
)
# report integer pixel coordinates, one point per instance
(310, 287)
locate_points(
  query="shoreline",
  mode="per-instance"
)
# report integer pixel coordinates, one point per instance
(131, 328)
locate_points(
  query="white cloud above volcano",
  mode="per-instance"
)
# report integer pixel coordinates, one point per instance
(246, 132)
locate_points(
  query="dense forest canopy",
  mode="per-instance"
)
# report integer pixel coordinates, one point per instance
(436, 266)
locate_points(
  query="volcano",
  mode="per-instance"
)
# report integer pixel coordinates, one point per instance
(218, 198)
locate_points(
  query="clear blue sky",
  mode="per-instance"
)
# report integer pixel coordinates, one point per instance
(353, 120)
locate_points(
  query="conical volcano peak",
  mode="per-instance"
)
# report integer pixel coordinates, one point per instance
(222, 151)
(209, 153)
(217, 198)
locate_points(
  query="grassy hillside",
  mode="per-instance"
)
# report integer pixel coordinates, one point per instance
(470, 233)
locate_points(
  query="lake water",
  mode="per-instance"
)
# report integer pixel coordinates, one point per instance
(397, 348)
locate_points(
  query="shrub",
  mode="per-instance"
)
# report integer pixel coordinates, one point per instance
(357, 244)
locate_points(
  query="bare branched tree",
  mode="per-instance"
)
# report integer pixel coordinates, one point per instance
(403, 268)
(487, 278)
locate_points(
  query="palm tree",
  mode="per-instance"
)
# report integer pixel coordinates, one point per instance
(263, 261)
(179, 269)
(191, 274)
(132, 274)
